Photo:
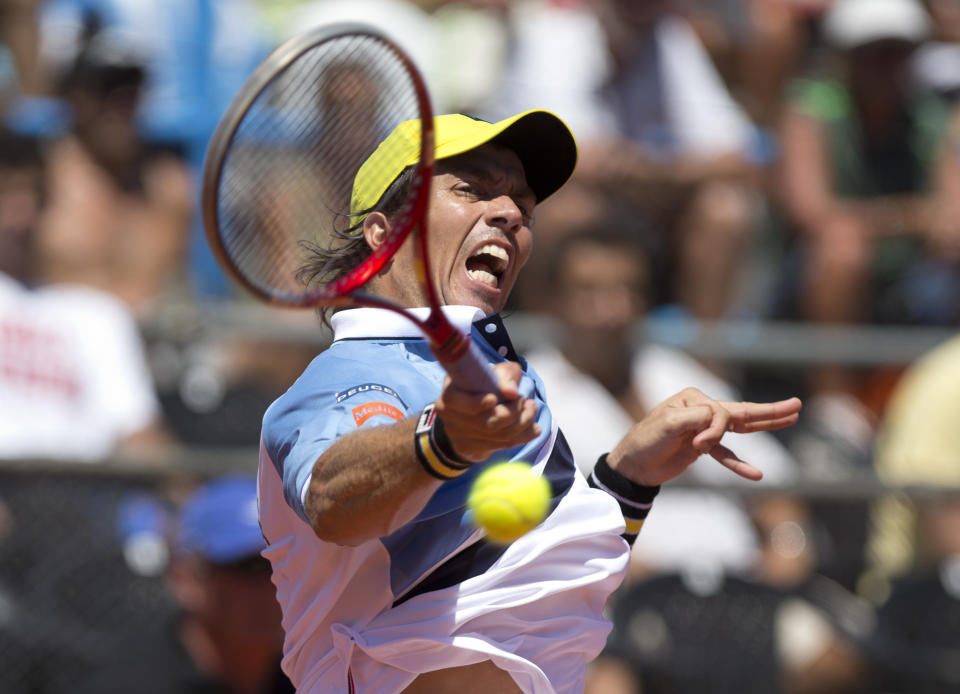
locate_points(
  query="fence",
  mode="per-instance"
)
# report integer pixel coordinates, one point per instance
(81, 581)
(735, 341)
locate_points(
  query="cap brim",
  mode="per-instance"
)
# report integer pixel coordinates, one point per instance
(543, 142)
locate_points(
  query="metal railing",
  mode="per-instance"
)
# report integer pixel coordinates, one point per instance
(736, 341)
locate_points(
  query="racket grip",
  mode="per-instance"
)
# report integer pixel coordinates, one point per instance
(471, 371)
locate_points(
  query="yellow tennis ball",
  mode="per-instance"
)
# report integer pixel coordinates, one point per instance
(508, 499)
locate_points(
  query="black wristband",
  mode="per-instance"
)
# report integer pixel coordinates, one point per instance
(620, 485)
(635, 500)
(443, 443)
(434, 450)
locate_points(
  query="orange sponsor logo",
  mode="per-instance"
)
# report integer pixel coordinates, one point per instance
(362, 413)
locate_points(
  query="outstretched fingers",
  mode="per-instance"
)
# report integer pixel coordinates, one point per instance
(732, 461)
(689, 424)
(744, 418)
(748, 417)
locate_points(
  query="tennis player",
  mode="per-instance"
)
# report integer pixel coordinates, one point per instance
(366, 461)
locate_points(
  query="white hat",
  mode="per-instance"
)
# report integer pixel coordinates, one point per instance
(852, 23)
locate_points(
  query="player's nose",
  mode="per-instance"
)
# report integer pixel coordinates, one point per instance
(504, 213)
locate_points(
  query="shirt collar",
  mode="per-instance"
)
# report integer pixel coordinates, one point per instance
(359, 323)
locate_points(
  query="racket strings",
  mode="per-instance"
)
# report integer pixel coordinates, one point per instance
(284, 195)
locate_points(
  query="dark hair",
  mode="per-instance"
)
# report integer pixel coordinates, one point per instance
(348, 247)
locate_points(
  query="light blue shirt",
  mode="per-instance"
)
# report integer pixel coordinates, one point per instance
(379, 370)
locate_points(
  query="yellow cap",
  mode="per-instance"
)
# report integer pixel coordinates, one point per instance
(543, 142)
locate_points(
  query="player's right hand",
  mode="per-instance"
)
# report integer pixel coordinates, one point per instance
(480, 424)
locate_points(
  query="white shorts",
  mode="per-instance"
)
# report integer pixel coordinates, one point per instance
(536, 613)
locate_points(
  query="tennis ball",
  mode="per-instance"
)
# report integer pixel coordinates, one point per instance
(507, 500)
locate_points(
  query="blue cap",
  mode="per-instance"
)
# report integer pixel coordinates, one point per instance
(219, 521)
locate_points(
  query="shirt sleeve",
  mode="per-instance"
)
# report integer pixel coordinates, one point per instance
(332, 399)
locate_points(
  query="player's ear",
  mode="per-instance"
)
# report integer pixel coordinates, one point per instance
(375, 229)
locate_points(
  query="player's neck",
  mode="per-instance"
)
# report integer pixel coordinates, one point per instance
(400, 288)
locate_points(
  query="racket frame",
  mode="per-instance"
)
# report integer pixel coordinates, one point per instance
(450, 345)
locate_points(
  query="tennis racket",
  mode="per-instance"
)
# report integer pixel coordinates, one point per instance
(279, 201)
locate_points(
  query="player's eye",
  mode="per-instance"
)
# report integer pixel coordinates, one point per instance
(466, 189)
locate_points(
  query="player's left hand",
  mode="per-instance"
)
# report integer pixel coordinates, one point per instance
(682, 428)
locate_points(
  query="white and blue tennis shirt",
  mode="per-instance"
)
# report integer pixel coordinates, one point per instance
(433, 594)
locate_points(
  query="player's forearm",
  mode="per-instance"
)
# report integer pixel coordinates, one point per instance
(367, 484)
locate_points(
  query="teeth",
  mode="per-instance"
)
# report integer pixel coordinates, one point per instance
(495, 251)
(483, 276)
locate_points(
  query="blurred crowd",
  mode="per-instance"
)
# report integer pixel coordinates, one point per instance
(739, 160)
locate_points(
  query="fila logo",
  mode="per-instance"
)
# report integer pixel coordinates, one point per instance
(366, 387)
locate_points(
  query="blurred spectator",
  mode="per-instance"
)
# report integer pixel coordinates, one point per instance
(227, 637)
(706, 561)
(601, 381)
(859, 166)
(119, 210)
(863, 172)
(915, 541)
(655, 124)
(757, 45)
(401, 20)
(74, 383)
(477, 33)
(430, 31)
(917, 444)
(195, 55)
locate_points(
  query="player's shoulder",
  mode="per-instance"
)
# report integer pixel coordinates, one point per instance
(352, 373)
(344, 361)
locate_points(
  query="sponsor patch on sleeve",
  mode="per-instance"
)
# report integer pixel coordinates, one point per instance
(367, 388)
(361, 413)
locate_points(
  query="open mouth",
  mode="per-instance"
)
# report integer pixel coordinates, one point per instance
(488, 264)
